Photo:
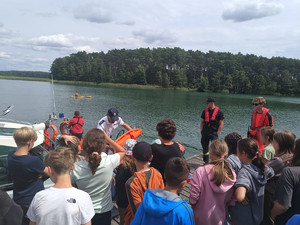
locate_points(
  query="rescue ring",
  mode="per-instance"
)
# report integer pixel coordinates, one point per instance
(64, 128)
(55, 131)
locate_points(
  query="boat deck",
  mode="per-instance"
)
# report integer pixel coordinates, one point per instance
(194, 162)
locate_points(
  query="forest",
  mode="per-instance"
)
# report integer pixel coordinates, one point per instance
(33, 74)
(177, 68)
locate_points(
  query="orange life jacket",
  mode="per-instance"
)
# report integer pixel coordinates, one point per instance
(213, 117)
(255, 129)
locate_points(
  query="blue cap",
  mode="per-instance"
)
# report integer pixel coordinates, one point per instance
(113, 114)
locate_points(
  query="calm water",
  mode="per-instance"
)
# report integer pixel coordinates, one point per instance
(33, 103)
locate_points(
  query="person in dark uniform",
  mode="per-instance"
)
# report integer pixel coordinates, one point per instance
(211, 125)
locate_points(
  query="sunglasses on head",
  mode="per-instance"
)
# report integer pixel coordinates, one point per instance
(256, 104)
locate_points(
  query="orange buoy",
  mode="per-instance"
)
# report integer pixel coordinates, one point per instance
(64, 128)
(55, 131)
(131, 134)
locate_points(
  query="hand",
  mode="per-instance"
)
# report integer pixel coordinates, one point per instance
(70, 138)
(245, 201)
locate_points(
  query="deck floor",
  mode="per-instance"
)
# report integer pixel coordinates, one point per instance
(194, 162)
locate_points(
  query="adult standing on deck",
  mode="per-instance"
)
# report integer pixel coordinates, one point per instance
(111, 121)
(260, 118)
(76, 125)
(212, 119)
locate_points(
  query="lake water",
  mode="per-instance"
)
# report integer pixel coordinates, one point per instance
(33, 103)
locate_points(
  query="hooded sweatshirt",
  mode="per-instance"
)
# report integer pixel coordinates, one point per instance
(136, 187)
(251, 178)
(209, 200)
(163, 207)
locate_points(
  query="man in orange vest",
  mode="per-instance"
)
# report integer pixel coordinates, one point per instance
(212, 119)
(260, 118)
(76, 125)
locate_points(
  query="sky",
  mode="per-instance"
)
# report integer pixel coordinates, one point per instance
(34, 33)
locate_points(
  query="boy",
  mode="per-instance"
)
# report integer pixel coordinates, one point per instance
(164, 206)
(145, 177)
(62, 203)
(167, 149)
(26, 170)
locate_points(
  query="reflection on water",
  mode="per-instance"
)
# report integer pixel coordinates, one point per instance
(144, 108)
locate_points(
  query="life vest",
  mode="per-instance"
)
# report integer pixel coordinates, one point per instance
(213, 117)
(74, 128)
(255, 129)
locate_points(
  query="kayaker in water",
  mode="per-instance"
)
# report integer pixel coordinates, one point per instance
(260, 118)
(77, 94)
(111, 121)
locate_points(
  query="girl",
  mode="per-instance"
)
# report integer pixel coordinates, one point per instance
(250, 185)
(93, 175)
(212, 187)
(288, 191)
(266, 138)
(124, 172)
(234, 161)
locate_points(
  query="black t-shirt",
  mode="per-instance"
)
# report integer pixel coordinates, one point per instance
(162, 153)
(123, 174)
(212, 126)
(288, 193)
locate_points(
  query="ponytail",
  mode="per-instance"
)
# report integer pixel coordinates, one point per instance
(250, 147)
(221, 168)
(93, 145)
(94, 161)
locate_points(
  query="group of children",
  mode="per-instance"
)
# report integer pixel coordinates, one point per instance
(232, 188)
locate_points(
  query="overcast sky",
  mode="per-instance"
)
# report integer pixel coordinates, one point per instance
(35, 32)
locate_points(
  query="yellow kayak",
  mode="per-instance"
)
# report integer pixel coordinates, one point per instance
(81, 96)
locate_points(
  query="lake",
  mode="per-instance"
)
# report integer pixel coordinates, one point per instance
(33, 103)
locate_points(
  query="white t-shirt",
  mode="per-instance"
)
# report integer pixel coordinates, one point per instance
(97, 185)
(68, 206)
(108, 127)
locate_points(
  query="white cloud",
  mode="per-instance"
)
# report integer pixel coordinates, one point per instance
(86, 48)
(58, 40)
(93, 12)
(127, 23)
(4, 55)
(251, 10)
(156, 37)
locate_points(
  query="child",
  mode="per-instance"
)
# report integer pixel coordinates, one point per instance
(167, 149)
(164, 205)
(250, 185)
(145, 177)
(266, 137)
(234, 161)
(288, 191)
(93, 175)
(124, 172)
(62, 203)
(212, 187)
(26, 170)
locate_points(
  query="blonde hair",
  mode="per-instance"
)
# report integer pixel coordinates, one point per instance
(259, 100)
(61, 160)
(129, 164)
(221, 168)
(23, 135)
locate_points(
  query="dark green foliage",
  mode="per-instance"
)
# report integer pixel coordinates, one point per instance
(175, 67)
(34, 74)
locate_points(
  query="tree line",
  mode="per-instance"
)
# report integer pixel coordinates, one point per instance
(34, 74)
(175, 67)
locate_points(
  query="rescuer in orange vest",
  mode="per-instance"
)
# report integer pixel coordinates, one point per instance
(260, 118)
(211, 125)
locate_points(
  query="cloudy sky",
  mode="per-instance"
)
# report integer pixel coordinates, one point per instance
(35, 32)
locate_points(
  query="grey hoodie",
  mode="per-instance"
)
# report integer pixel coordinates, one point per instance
(250, 177)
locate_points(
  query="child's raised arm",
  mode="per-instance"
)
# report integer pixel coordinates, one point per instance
(117, 148)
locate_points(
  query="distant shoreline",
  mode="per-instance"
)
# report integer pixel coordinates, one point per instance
(85, 83)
